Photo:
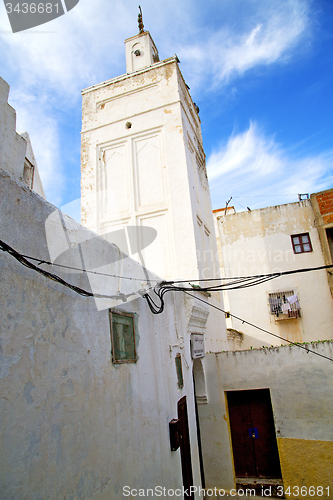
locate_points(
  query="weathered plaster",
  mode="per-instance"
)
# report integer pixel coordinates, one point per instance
(300, 385)
(12, 145)
(29, 155)
(323, 209)
(149, 112)
(307, 464)
(259, 242)
(15, 148)
(75, 426)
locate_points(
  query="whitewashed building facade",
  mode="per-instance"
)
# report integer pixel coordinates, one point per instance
(90, 378)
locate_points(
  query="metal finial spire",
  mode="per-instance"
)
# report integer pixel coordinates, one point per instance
(141, 30)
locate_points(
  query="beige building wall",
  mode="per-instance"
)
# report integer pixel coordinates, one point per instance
(300, 385)
(259, 242)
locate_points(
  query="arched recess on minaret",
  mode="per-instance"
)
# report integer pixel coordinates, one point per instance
(137, 54)
(199, 382)
(196, 327)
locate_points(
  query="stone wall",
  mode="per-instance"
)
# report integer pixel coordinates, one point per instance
(74, 425)
(300, 385)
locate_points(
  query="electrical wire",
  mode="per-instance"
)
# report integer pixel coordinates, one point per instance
(40, 261)
(234, 283)
(159, 290)
(248, 278)
(159, 309)
(261, 329)
(85, 293)
(241, 282)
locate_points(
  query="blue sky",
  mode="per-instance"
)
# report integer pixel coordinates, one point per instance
(261, 72)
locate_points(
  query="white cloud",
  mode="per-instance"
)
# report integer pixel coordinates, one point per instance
(248, 150)
(274, 29)
(47, 67)
(67, 51)
(251, 163)
(76, 50)
(54, 61)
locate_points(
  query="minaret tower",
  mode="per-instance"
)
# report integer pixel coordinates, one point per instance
(143, 163)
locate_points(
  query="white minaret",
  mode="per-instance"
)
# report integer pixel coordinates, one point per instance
(143, 163)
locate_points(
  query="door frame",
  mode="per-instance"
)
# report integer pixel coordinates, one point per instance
(185, 446)
(273, 443)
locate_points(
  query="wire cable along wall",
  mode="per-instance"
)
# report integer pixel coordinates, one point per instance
(163, 287)
(25, 261)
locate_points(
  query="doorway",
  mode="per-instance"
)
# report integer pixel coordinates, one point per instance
(253, 434)
(185, 448)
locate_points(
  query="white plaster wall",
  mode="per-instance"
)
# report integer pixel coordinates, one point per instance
(150, 101)
(14, 148)
(148, 52)
(37, 182)
(202, 221)
(300, 385)
(259, 242)
(75, 426)
(156, 102)
(12, 145)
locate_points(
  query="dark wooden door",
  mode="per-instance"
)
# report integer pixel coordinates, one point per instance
(253, 434)
(185, 448)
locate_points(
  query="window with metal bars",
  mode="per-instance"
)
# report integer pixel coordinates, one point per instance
(284, 305)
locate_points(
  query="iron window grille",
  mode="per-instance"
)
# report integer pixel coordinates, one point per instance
(284, 305)
(301, 243)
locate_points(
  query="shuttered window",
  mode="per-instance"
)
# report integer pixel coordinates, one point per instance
(301, 243)
(122, 337)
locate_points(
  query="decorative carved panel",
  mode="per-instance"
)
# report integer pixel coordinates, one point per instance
(156, 255)
(113, 181)
(149, 175)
